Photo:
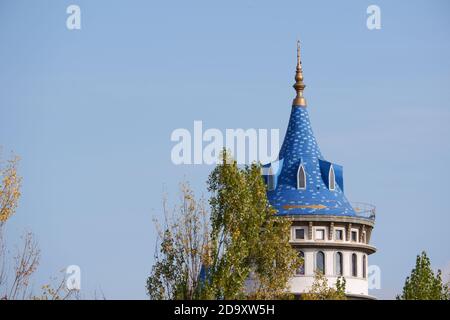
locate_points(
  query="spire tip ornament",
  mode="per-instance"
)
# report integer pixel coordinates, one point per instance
(299, 86)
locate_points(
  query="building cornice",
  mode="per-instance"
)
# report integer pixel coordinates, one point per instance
(331, 218)
(367, 248)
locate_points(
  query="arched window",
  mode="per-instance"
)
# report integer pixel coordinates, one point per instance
(331, 179)
(320, 262)
(270, 180)
(301, 177)
(354, 265)
(339, 263)
(364, 266)
(301, 269)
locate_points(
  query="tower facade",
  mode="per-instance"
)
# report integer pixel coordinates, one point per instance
(331, 234)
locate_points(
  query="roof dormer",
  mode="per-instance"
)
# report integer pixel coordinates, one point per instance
(331, 179)
(331, 175)
(301, 177)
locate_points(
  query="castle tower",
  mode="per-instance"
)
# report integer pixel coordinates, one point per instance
(331, 234)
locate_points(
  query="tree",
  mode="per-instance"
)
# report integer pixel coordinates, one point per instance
(10, 183)
(247, 238)
(183, 250)
(320, 290)
(242, 243)
(26, 262)
(57, 292)
(26, 259)
(423, 284)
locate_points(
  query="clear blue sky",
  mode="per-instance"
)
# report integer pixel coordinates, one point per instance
(91, 111)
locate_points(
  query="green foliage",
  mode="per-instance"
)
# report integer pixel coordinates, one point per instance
(183, 249)
(423, 284)
(321, 291)
(242, 240)
(246, 237)
(166, 282)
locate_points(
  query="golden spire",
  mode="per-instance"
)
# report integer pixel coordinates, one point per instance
(299, 86)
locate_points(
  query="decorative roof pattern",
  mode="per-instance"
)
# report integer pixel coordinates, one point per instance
(300, 148)
(317, 188)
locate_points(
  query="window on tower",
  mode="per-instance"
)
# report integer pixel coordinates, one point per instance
(271, 180)
(364, 266)
(339, 234)
(301, 269)
(339, 263)
(320, 234)
(355, 236)
(320, 262)
(354, 265)
(299, 234)
(301, 177)
(331, 179)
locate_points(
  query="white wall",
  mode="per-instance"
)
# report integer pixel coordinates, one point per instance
(354, 285)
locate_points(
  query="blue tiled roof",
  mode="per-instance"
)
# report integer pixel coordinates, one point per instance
(300, 147)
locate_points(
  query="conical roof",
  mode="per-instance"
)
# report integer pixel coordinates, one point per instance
(302, 181)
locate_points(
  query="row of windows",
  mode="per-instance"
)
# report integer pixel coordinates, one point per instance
(319, 234)
(339, 264)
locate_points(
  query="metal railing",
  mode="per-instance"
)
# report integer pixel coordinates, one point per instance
(364, 210)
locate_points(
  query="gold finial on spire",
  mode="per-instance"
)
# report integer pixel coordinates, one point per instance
(299, 86)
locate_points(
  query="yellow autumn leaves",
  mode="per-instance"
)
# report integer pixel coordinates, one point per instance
(10, 183)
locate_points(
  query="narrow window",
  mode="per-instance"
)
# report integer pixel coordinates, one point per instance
(339, 264)
(301, 269)
(339, 234)
(354, 265)
(270, 180)
(320, 262)
(331, 179)
(364, 266)
(354, 236)
(301, 177)
(299, 234)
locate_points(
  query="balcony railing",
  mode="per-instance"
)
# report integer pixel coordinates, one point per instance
(364, 210)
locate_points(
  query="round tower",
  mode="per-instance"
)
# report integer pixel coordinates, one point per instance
(331, 234)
